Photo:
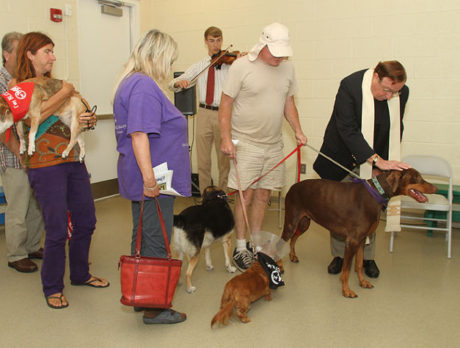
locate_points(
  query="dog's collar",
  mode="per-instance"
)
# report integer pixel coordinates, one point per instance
(380, 198)
(379, 187)
(224, 196)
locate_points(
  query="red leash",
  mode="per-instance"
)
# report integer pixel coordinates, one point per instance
(297, 149)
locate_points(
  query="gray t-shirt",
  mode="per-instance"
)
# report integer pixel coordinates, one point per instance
(259, 91)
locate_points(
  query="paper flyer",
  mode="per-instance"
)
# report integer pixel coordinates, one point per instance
(163, 176)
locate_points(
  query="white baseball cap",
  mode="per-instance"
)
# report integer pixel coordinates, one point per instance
(276, 37)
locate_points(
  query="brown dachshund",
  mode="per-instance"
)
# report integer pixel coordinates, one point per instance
(241, 291)
(348, 211)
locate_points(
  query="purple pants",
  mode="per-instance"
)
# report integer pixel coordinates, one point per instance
(58, 189)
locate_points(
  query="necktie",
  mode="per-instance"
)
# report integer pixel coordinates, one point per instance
(210, 86)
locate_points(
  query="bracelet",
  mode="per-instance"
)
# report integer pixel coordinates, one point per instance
(153, 188)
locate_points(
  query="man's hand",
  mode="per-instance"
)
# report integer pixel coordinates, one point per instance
(182, 84)
(300, 138)
(228, 148)
(391, 165)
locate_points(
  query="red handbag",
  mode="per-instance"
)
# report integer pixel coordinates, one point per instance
(149, 281)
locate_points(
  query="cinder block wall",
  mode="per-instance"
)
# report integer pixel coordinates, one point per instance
(332, 39)
(27, 15)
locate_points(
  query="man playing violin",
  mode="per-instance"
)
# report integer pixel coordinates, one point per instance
(257, 94)
(209, 79)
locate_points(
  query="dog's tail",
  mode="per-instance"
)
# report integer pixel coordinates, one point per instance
(223, 315)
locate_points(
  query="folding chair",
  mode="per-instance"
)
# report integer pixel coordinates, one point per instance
(439, 171)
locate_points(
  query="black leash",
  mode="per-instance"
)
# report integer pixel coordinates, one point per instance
(92, 111)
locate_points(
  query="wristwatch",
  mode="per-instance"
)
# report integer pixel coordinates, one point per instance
(374, 160)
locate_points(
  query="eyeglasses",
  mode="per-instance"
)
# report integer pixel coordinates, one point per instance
(388, 90)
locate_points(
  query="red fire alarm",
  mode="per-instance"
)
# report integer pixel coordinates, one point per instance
(56, 14)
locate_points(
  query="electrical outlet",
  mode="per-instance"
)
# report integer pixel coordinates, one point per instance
(303, 168)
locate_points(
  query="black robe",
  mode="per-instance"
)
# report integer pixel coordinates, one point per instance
(343, 140)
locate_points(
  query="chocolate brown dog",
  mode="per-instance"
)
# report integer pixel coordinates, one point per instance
(241, 291)
(68, 113)
(348, 211)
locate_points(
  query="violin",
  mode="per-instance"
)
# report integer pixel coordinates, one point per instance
(222, 57)
(226, 58)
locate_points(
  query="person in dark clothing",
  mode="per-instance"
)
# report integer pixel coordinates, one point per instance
(362, 137)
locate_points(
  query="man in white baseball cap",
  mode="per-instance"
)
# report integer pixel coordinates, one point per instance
(257, 94)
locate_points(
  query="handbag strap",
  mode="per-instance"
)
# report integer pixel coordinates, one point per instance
(163, 228)
(139, 229)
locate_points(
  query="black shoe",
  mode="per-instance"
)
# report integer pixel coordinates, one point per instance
(243, 259)
(335, 266)
(370, 268)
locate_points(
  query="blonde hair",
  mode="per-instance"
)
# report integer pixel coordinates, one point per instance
(153, 56)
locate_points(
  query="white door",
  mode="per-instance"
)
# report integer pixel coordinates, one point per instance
(105, 43)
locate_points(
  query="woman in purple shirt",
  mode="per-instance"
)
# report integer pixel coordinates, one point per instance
(150, 130)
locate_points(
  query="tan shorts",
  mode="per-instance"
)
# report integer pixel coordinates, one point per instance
(255, 160)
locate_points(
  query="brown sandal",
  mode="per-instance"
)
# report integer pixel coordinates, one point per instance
(56, 297)
(91, 281)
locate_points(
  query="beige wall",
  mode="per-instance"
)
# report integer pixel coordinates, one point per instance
(332, 39)
(30, 15)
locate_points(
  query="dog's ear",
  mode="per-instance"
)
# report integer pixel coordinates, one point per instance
(393, 179)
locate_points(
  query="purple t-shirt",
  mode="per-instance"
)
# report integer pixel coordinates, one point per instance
(141, 106)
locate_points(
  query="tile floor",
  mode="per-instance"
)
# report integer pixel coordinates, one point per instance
(415, 301)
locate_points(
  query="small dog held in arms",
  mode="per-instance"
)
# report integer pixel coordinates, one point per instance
(248, 287)
(36, 91)
(198, 226)
(350, 211)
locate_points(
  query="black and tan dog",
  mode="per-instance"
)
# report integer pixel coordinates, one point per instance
(348, 211)
(68, 113)
(199, 226)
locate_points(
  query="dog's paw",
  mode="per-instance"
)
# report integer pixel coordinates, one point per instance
(230, 269)
(65, 154)
(31, 149)
(82, 156)
(191, 290)
(366, 285)
(209, 268)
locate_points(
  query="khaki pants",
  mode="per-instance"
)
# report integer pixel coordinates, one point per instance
(207, 132)
(23, 218)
